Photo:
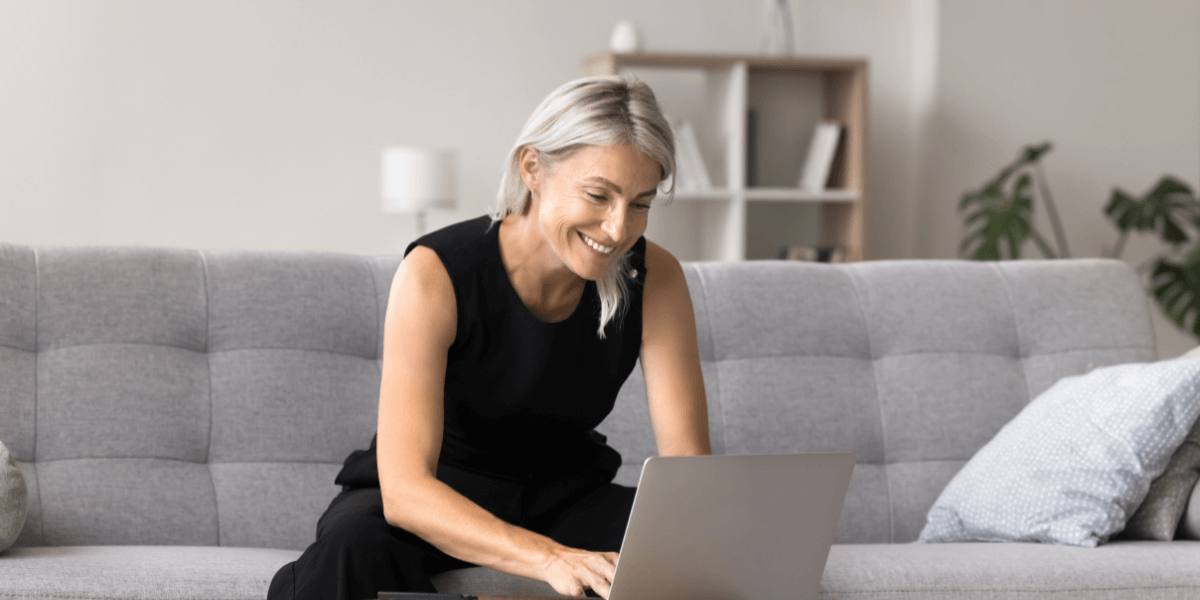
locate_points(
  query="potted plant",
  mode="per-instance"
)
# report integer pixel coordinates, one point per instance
(1000, 218)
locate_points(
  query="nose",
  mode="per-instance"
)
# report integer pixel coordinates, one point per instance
(616, 223)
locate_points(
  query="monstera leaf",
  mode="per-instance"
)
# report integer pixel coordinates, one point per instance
(1176, 288)
(999, 221)
(1002, 221)
(1164, 209)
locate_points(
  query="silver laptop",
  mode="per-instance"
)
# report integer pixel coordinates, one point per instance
(753, 527)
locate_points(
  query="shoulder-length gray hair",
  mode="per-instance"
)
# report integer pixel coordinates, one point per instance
(604, 110)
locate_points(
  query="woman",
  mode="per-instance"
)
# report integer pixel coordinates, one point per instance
(506, 340)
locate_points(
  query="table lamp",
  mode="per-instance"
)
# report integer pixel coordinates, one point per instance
(417, 179)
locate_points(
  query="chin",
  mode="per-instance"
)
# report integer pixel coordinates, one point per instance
(591, 271)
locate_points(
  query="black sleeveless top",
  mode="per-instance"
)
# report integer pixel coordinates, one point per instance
(522, 396)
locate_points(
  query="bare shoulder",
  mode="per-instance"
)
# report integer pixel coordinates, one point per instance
(662, 268)
(422, 292)
(422, 269)
(666, 301)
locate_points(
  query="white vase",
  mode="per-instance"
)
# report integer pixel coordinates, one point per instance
(625, 38)
(777, 38)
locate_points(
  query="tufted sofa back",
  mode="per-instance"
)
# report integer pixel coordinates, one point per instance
(157, 396)
(177, 397)
(912, 365)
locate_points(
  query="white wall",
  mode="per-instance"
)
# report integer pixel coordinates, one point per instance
(1115, 85)
(258, 125)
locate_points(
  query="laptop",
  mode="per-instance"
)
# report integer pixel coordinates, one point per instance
(749, 527)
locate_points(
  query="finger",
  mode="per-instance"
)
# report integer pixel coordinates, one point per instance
(607, 565)
(577, 589)
(600, 584)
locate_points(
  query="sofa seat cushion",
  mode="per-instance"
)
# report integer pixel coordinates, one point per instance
(1001, 571)
(143, 572)
(480, 580)
(970, 571)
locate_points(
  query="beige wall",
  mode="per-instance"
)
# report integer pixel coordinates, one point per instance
(258, 125)
(1114, 84)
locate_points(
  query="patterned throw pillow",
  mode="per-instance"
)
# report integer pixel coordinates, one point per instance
(1075, 463)
(14, 499)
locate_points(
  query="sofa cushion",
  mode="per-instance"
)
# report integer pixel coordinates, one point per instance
(1146, 570)
(1143, 570)
(1189, 525)
(1161, 512)
(144, 572)
(1075, 463)
(476, 580)
(1159, 515)
(14, 499)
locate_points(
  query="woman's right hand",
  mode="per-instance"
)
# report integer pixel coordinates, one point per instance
(570, 571)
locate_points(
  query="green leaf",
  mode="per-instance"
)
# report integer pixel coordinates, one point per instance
(1164, 209)
(1123, 209)
(1176, 288)
(1032, 154)
(1003, 222)
(1169, 185)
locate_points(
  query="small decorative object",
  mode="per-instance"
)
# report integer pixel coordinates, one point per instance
(626, 38)
(418, 179)
(1000, 215)
(777, 38)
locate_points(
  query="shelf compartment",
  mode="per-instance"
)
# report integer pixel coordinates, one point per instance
(799, 195)
(712, 195)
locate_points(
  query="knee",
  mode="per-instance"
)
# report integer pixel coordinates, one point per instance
(365, 532)
(283, 585)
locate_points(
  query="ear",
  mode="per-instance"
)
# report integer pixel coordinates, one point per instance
(531, 168)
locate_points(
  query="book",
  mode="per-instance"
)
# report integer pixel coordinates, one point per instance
(821, 151)
(691, 173)
(825, 254)
(751, 148)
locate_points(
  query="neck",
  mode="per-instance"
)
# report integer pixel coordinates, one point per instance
(540, 278)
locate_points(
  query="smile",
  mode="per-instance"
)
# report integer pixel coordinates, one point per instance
(595, 246)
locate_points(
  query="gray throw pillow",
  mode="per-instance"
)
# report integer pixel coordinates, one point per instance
(1189, 526)
(1159, 515)
(14, 499)
(1074, 464)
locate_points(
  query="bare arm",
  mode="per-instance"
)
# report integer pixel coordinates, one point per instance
(419, 329)
(671, 359)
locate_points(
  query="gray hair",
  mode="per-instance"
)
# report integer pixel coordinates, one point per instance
(604, 110)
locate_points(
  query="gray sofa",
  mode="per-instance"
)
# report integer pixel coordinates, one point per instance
(179, 416)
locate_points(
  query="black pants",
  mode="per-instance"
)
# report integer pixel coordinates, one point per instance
(357, 553)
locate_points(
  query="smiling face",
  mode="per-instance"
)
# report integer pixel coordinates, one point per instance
(592, 207)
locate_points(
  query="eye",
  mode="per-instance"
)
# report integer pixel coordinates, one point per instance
(595, 197)
(641, 207)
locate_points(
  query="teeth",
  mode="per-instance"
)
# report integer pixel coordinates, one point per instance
(595, 246)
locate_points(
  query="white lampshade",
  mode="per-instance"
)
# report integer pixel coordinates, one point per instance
(415, 179)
